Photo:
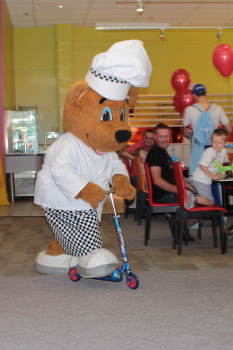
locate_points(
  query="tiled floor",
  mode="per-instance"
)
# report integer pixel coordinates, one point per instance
(22, 207)
(24, 232)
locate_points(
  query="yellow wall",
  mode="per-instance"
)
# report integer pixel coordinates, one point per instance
(8, 58)
(191, 50)
(49, 60)
(64, 39)
(35, 74)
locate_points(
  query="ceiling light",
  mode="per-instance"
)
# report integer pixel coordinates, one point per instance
(139, 6)
(162, 35)
(131, 25)
(60, 6)
(152, 26)
(219, 35)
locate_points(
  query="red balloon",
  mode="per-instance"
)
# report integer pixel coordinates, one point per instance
(183, 99)
(223, 59)
(180, 80)
(176, 103)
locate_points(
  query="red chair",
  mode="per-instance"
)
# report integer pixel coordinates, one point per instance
(127, 203)
(229, 189)
(227, 234)
(142, 191)
(126, 162)
(156, 207)
(228, 193)
(198, 212)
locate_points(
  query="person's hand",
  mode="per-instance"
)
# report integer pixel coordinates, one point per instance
(217, 176)
(122, 187)
(190, 188)
(92, 194)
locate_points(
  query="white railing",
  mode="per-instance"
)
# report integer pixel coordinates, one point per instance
(153, 109)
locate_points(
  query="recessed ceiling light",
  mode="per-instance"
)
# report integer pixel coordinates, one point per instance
(139, 6)
(60, 6)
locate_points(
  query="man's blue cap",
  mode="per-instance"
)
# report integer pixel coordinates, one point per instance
(199, 89)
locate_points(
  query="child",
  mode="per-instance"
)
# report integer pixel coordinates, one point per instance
(142, 154)
(207, 170)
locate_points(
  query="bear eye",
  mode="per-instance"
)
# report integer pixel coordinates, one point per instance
(106, 114)
(122, 115)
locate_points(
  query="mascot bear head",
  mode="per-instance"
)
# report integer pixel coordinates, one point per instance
(97, 108)
(99, 122)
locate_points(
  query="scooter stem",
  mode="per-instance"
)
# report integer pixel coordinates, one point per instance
(112, 201)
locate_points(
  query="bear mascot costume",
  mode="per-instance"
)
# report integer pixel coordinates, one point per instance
(82, 164)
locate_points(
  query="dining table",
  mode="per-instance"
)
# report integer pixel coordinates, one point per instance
(225, 182)
(185, 170)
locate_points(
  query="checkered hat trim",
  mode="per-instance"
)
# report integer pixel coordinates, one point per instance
(106, 77)
(108, 86)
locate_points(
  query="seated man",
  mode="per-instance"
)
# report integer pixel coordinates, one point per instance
(160, 163)
(147, 143)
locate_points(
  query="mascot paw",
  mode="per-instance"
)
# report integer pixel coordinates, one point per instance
(92, 194)
(55, 264)
(122, 187)
(98, 263)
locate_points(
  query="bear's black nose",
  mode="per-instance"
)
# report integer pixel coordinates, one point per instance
(122, 135)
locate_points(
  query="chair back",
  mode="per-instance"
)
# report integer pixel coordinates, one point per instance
(149, 184)
(126, 162)
(230, 155)
(180, 184)
(140, 176)
(156, 207)
(150, 190)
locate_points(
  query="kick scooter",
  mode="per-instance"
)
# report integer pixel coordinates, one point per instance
(117, 275)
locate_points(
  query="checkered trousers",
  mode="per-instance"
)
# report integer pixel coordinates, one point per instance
(76, 231)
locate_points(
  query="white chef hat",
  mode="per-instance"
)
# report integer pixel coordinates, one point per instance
(112, 72)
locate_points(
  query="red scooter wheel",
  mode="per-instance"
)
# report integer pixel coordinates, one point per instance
(74, 275)
(132, 281)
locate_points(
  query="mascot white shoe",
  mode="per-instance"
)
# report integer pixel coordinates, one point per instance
(55, 264)
(79, 166)
(98, 263)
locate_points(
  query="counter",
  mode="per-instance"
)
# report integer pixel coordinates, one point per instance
(21, 172)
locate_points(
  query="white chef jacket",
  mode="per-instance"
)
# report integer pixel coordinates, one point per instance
(69, 165)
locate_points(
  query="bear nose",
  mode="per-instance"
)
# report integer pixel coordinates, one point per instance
(122, 135)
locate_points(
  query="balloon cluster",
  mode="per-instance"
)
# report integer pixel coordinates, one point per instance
(183, 97)
(223, 59)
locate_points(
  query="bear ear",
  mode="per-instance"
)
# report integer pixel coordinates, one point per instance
(76, 91)
(132, 96)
